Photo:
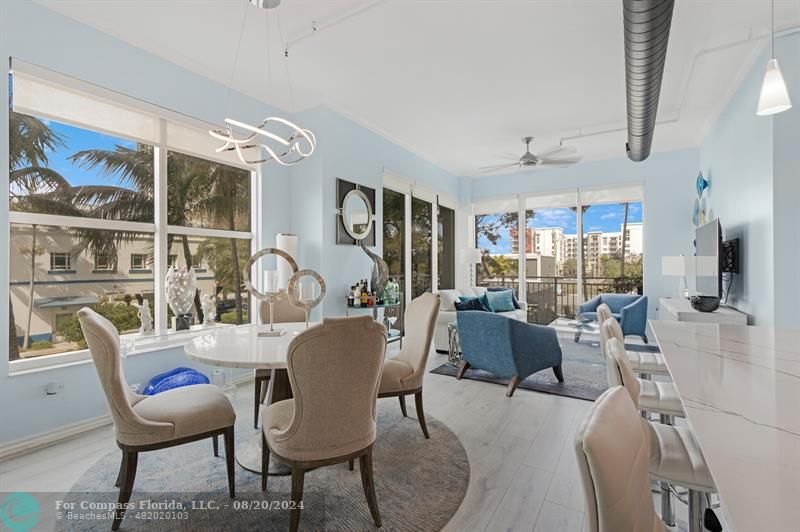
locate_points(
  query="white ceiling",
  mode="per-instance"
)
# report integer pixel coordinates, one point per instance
(458, 82)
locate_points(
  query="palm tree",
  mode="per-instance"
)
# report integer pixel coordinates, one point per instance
(31, 184)
(195, 188)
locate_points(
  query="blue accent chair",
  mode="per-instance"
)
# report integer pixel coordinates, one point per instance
(507, 347)
(629, 310)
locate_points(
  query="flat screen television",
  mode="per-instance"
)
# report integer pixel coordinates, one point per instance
(708, 266)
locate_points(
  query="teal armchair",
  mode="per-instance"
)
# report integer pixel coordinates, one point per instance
(629, 310)
(507, 347)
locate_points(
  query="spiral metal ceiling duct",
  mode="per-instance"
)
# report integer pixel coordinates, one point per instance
(647, 24)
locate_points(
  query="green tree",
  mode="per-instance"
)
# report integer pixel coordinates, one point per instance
(569, 268)
(32, 186)
(196, 190)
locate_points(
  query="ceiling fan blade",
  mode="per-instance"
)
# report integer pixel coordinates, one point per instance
(559, 162)
(495, 167)
(557, 151)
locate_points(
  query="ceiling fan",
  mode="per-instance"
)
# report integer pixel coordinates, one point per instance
(557, 156)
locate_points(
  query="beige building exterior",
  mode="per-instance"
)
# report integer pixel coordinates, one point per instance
(552, 242)
(67, 278)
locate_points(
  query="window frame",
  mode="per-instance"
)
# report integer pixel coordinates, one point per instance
(159, 228)
(55, 268)
(633, 191)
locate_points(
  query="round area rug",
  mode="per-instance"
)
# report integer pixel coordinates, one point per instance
(419, 485)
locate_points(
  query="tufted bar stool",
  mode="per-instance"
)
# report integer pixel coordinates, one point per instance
(644, 364)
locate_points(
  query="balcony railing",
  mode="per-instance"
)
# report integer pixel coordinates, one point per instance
(549, 298)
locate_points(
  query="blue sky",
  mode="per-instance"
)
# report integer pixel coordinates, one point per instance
(605, 218)
(75, 140)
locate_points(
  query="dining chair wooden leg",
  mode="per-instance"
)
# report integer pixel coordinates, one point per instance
(367, 481)
(229, 450)
(298, 476)
(256, 403)
(264, 462)
(512, 385)
(462, 369)
(351, 464)
(421, 414)
(215, 440)
(118, 483)
(130, 459)
(403, 405)
(264, 388)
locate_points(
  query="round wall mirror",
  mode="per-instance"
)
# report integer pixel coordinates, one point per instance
(357, 214)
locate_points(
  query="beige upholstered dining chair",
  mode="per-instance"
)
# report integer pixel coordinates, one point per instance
(613, 455)
(148, 423)
(334, 369)
(285, 312)
(403, 374)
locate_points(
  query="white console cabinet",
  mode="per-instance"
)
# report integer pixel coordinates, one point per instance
(680, 309)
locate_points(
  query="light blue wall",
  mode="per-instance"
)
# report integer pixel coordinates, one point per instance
(786, 188)
(348, 151)
(736, 156)
(668, 180)
(37, 35)
(300, 200)
(754, 166)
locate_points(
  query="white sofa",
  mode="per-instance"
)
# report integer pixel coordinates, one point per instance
(447, 313)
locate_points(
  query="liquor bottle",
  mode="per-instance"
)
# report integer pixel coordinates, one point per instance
(364, 297)
(356, 296)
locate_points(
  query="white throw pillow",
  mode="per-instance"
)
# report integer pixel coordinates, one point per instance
(468, 292)
(479, 290)
(449, 298)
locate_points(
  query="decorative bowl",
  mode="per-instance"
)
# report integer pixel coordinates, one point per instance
(704, 303)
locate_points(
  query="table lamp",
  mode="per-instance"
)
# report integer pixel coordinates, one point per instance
(677, 267)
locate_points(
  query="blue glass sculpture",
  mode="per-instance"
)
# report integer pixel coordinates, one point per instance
(702, 184)
(174, 378)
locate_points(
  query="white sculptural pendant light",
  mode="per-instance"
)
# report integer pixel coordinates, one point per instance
(774, 96)
(251, 144)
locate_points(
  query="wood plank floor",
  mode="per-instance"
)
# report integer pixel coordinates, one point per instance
(523, 470)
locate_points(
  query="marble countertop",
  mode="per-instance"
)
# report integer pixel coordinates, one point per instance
(242, 347)
(740, 388)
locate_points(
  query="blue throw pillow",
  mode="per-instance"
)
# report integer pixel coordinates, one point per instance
(503, 289)
(470, 303)
(501, 301)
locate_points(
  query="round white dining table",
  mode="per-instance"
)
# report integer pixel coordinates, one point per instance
(246, 347)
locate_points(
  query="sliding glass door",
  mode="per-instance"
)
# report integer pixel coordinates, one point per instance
(575, 245)
(418, 237)
(446, 243)
(421, 247)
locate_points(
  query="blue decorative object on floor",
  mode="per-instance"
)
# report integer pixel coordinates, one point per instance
(174, 378)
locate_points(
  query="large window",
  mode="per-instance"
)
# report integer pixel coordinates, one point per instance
(421, 246)
(496, 237)
(394, 230)
(418, 237)
(446, 244)
(83, 182)
(577, 244)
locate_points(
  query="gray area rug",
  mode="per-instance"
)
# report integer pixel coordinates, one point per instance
(419, 484)
(583, 367)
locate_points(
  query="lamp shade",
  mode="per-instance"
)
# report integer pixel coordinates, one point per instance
(774, 97)
(674, 266)
(474, 256)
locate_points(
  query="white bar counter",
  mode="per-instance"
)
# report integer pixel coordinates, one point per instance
(740, 388)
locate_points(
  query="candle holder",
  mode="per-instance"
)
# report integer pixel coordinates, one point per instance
(269, 297)
(305, 304)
